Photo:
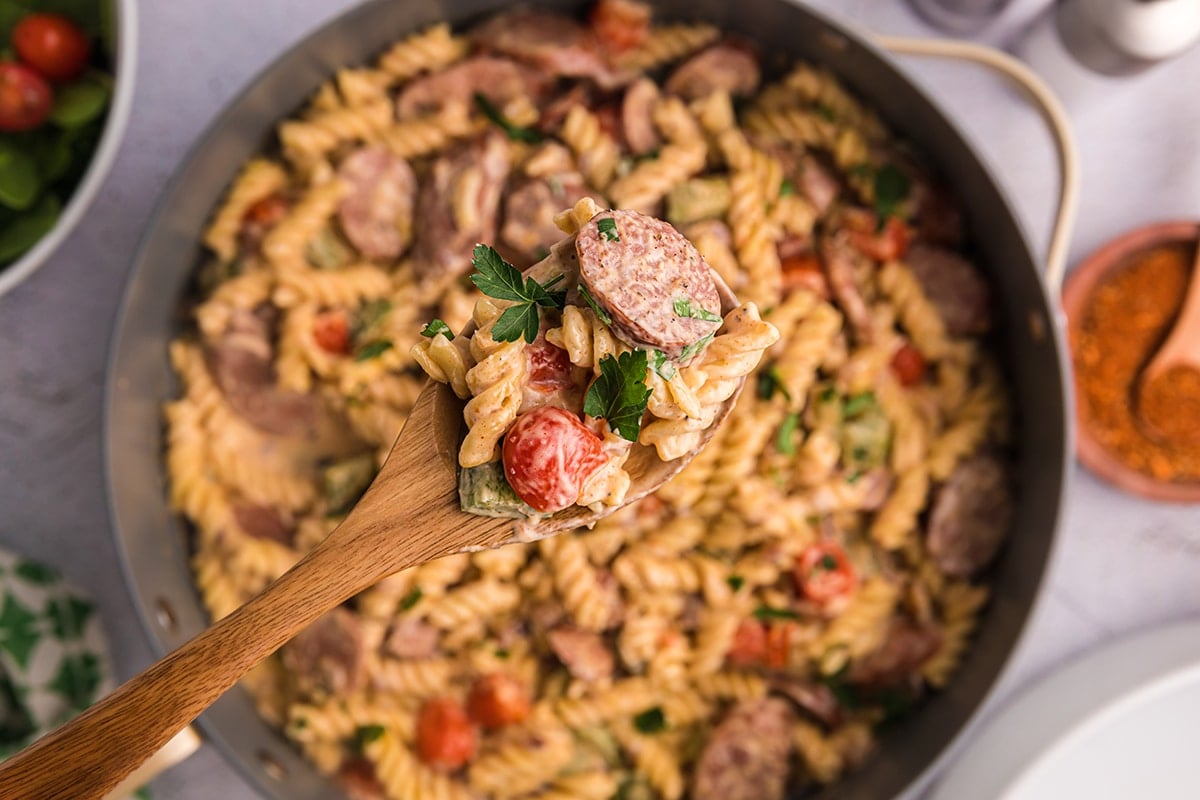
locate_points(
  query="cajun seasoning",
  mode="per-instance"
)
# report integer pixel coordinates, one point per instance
(1124, 322)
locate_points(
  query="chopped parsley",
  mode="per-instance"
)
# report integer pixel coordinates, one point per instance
(299, 723)
(785, 439)
(859, 403)
(765, 613)
(661, 365)
(411, 599)
(496, 278)
(365, 734)
(891, 189)
(695, 347)
(372, 349)
(502, 652)
(368, 316)
(853, 477)
(652, 720)
(827, 562)
(600, 313)
(786, 188)
(736, 582)
(684, 308)
(619, 395)
(825, 112)
(608, 229)
(435, 327)
(828, 395)
(769, 383)
(517, 133)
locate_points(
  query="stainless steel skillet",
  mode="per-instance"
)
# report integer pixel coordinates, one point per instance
(153, 540)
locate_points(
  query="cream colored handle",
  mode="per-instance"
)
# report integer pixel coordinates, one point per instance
(1052, 112)
(186, 742)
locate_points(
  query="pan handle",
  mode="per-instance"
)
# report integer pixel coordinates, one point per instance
(1052, 113)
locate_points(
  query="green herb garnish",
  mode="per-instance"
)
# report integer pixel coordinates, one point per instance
(785, 439)
(828, 395)
(619, 395)
(827, 562)
(411, 599)
(684, 308)
(502, 652)
(769, 382)
(372, 349)
(496, 278)
(853, 477)
(825, 112)
(891, 189)
(368, 316)
(786, 188)
(517, 133)
(695, 347)
(365, 734)
(435, 327)
(652, 720)
(765, 613)
(600, 313)
(661, 365)
(608, 229)
(859, 403)
(736, 582)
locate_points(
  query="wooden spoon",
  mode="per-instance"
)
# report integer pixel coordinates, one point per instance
(409, 515)
(1179, 355)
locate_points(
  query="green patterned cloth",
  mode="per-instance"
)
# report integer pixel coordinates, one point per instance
(53, 655)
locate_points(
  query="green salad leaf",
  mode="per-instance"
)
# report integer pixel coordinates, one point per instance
(19, 178)
(79, 103)
(24, 232)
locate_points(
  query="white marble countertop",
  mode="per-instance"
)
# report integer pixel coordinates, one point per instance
(1121, 564)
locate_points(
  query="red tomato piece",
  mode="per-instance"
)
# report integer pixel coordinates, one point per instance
(266, 212)
(497, 700)
(824, 573)
(908, 365)
(331, 331)
(445, 736)
(548, 453)
(882, 244)
(549, 367)
(25, 98)
(749, 645)
(52, 45)
(804, 271)
(620, 24)
(778, 645)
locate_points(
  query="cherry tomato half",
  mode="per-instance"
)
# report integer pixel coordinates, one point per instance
(749, 646)
(824, 573)
(51, 44)
(620, 24)
(804, 271)
(445, 735)
(331, 331)
(908, 365)
(549, 367)
(497, 700)
(779, 644)
(548, 453)
(25, 98)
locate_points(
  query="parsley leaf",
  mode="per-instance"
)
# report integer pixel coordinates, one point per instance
(435, 327)
(736, 582)
(608, 229)
(372, 349)
(891, 189)
(496, 278)
(684, 308)
(652, 720)
(785, 440)
(411, 599)
(619, 395)
(365, 734)
(695, 347)
(826, 113)
(600, 313)
(368, 316)
(502, 652)
(515, 132)
(786, 188)
(661, 365)
(765, 613)
(859, 403)
(769, 383)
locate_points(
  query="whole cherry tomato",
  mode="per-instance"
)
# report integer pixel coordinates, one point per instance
(908, 365)
(497, 700)
(824, 573)
(331, 331)
(51, 44)
(25, 98)
(445, 735)
(548, 453)
(749, 646)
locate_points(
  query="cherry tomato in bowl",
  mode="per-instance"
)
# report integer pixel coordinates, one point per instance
(824, 573)
(25, 98)
(53, 45)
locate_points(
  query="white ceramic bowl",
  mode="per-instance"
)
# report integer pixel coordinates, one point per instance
(124, 66)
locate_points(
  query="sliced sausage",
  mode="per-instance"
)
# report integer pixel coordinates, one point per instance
(954, 286)
(817, 699)
(357, 778)
(842, 264)
(263, 522)
(637, 267)
(550, 42)
(818, 184)
(746, 757)
(328, 656)
(449, 223)
(555, 111)
(585, 654)
(377, 212)
(413, 639)
(970, 517)
(936, 214)
(905, 648)
(637, 116)
(530, 208)
(723, 67)
(497, 79)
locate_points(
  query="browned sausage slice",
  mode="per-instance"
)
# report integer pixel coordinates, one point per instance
(584, 653)
(357, 778)
(412, 638)
(637, 268)
(547, 41)
(818, 185)
(724, 67)
(637, 116)
(497, 79)
(815, 698)
(263, 522)
(954, 286)
(906, 647)
(746, 757)
(841, 261)
(449, 225)
(377, 212)
(970, 516)
(530, 208)
(329, 655)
